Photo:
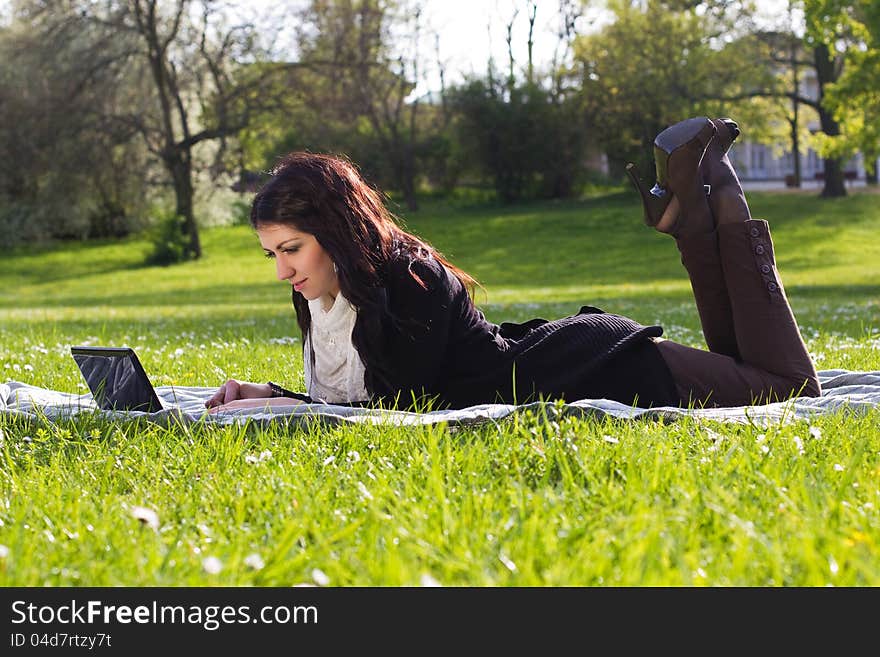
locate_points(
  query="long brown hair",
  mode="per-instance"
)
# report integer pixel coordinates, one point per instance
(326, 196)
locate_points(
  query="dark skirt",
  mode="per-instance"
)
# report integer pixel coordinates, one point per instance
(590, 355)
(637, 376)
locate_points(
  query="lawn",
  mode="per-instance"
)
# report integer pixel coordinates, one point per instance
(531, 501)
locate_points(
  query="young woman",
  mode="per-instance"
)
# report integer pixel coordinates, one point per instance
(388, 321)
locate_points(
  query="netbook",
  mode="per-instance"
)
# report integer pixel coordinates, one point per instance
(116, 378)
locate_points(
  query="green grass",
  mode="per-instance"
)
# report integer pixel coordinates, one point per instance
(535, 500)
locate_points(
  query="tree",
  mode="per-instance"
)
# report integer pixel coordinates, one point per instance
(529, 143)
(655, 64)
(828, 67)
(526, 131)
(850, 30)
(190, 60)
(826, 40)
(368, 55)
(63, 172)
(786, 51)
(661, 60)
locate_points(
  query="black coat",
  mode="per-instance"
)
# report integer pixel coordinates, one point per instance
(441, 348)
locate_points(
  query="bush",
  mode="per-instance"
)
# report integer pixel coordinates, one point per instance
(17, 225)
(241, 213)
(529, 142)
(169, 242)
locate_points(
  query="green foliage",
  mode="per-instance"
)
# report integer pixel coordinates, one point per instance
(528, 142)
(169, 243)
(65, 172)
(534, 500)
(241, 212)
(854, 99)
(654, 66)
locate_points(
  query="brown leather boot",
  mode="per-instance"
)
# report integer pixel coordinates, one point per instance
(726, 197)
(685, 145)
(678, 151)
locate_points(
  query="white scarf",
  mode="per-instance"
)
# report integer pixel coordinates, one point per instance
(338, 373)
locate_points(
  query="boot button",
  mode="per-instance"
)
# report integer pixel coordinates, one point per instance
(771, 286)
(755, 232)
(765, 269)
(759, 250)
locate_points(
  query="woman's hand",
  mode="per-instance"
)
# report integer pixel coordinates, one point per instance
(233, 390)
(261, 402)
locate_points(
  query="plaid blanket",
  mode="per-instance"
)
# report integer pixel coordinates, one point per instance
(842, 390)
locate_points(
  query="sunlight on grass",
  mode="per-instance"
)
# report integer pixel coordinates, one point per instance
(533, 500)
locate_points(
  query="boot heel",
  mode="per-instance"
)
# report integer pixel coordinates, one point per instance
(678, 150)
(654, 201)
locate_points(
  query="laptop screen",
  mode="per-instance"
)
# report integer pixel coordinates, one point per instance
(116, 378)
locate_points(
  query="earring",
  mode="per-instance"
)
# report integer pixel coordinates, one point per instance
(335, 269)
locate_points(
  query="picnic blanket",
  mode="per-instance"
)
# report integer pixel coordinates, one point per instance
(842, 390)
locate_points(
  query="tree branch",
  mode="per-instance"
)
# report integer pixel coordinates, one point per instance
(769, 94)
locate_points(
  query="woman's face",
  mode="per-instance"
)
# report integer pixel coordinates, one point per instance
(300, 259)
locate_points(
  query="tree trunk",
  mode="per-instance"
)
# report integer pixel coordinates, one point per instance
(796, 151)
(833, 167)
(825, 74)
(834, 183)
(795, 109)
(871, 173)
(180, 168)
